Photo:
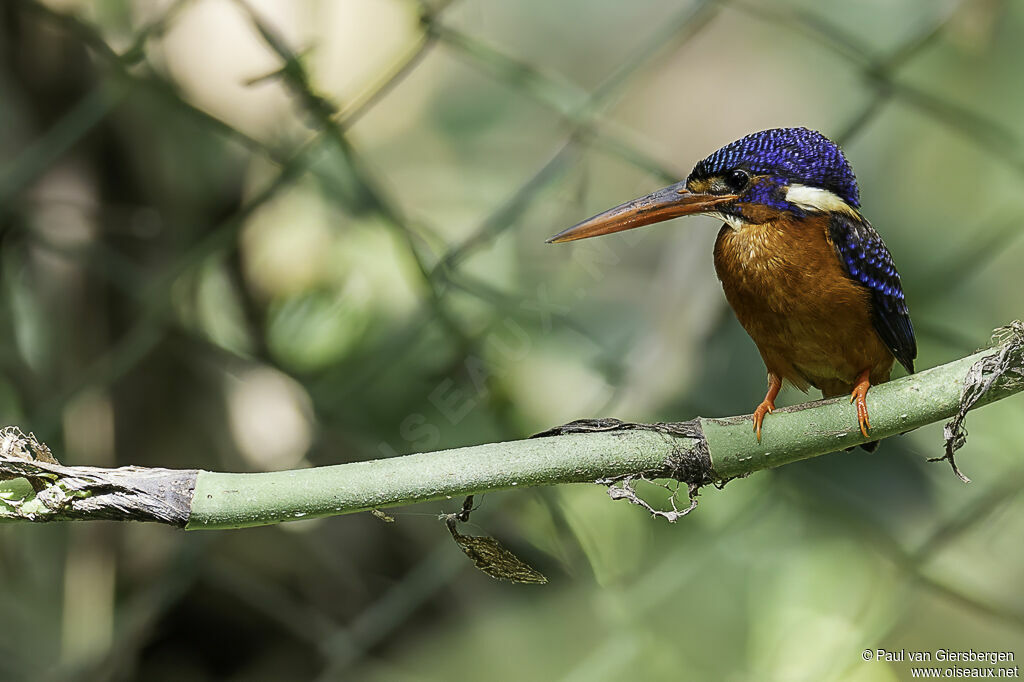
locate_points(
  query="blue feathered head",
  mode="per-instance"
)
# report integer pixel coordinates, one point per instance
(788, 156)
(788, 171)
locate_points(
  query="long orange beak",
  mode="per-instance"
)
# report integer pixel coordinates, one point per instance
(671, 202)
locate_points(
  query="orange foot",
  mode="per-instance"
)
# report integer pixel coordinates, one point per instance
(859, 394)
(767, 405)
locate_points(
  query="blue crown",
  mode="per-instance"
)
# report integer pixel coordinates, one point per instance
(793, 154)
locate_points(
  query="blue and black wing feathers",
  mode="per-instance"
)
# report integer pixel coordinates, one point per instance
(864, 257)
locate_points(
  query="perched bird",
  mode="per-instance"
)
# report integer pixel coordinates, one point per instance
(806, 274)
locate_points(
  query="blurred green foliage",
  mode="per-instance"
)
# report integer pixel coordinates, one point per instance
(246, 237)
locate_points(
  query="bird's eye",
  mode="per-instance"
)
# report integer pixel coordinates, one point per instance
(737, 180)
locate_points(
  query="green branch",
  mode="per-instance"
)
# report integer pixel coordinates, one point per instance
(34, 487)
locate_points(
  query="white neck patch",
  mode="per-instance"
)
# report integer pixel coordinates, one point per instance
(817, 199)
(733, 221)
(806, 197)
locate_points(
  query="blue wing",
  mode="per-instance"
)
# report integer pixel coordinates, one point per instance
(866, 260)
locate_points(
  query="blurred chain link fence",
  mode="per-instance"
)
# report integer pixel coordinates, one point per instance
(331, 156)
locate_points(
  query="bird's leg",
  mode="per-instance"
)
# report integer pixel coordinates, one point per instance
(859, 394)
(768, 404)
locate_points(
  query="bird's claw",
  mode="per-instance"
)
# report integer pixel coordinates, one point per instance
(859, 395)
(766, 407)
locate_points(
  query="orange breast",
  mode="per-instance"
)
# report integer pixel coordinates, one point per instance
(811, 323)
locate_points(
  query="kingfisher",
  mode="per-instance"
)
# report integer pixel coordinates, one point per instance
(807, 276)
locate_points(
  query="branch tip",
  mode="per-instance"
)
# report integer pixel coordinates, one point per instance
(1004, 369)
